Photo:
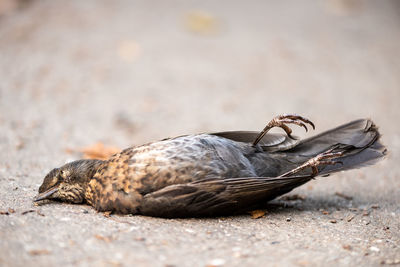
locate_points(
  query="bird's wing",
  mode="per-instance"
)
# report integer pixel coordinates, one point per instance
(270, 142)
(216, 196)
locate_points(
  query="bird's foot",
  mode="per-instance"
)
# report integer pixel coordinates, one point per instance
(325, 158)
(281, 121)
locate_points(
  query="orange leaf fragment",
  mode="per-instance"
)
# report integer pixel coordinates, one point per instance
(36, 252)
(201, 22)
(103, 238)
(255, 214)
(107, 214)
(346, 247)
(99, 151)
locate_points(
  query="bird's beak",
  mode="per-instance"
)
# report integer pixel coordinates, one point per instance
(45, 195)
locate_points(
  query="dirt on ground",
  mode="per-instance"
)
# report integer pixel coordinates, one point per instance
(98, 76)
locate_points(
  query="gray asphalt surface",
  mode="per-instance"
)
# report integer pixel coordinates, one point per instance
(73, 73)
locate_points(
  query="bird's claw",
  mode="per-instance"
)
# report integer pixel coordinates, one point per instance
(281, 121)
(325, 158)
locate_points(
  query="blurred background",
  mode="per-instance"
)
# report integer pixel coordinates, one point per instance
(127, 72)
(122, 73)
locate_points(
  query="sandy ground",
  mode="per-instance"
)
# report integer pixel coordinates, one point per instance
(73, 73)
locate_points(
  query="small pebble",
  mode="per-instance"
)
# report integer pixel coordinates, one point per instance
(325, 212)
(374, 249)
(217, 262)
(350, 218)
(391, 262)
(288, 219)
(347, 247)
(140, 238)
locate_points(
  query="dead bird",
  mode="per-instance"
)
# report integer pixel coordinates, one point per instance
(213, 174)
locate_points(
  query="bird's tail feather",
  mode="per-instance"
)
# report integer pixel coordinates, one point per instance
(357, 140)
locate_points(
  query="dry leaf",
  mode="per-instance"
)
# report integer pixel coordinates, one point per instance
(347, 247)
(201, 22)
(36, 252)
(4, 212)
(325, 212)
(99, 151)
(104, 238)
(107, 214)
(255, 214)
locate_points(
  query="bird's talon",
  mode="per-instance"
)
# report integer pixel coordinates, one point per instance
(282, 121)
(324, 158)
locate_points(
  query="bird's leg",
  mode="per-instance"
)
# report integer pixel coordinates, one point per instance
(281, 121)
(324, 158)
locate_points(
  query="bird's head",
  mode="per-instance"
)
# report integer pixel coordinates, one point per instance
(68, 183)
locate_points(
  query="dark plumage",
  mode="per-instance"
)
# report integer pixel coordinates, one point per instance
(212, 174)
